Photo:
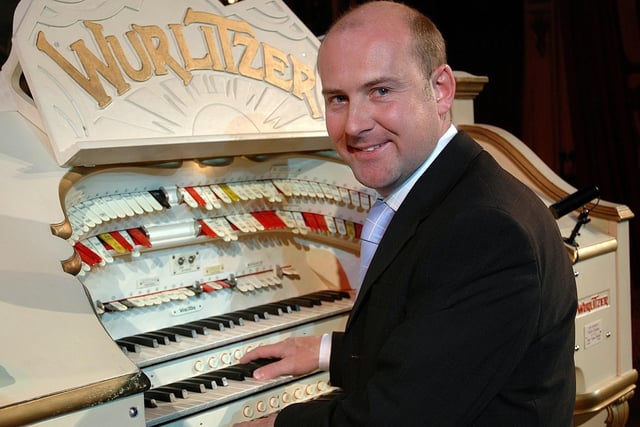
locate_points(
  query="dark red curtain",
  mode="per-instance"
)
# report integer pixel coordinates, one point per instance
(601, 46)
(582, 97)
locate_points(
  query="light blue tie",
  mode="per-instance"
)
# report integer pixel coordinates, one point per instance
(379, 217)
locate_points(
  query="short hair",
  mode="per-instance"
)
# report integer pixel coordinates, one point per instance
(429, 45)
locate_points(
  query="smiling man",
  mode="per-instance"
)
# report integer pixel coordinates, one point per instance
(465, 314)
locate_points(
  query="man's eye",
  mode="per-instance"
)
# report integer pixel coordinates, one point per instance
(339, 99)
(381, 91)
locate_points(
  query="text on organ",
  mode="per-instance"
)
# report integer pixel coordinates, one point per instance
(152, 47)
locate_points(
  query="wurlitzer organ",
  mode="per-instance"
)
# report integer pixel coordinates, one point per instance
(173, 201)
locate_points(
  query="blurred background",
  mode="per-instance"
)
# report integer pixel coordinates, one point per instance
(564, 77)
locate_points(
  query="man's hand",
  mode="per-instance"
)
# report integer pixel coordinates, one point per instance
(297, 356)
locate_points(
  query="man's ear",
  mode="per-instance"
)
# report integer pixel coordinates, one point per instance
(444, 87)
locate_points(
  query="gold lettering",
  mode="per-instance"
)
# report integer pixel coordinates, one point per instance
(190, 63)
(304, 80)
(152, 46)
(224, 25)
(275, 64)
(157, 45)
(245, 66)
(213, 50)
(145, 71)
(91, 64)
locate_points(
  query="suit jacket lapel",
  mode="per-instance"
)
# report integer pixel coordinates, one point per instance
(429, 190)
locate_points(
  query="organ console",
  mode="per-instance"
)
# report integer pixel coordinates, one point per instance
(171, 200)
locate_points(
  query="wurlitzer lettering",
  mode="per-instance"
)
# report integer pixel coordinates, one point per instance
(151, 45)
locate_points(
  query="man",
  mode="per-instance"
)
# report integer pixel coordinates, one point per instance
(466, 313)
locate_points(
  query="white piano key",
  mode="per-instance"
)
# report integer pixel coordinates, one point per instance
(365, 201)
(187, 198)
(239, 222)
(112, 203)
(210, 196)
(79, 222)
(238, 188)
(317, 189)
(96, 245)
(355, 198)
(344, 195)
(283, 186)
(222, 195)
(123, 205)
(142, 200)
(341, 226)
(305, 188)
(87, 214)
(106, 207)
(97, 210)
(130, 200)
(253, 189)
(295, 188)
(253, 221)
(331, 225)
(270, 192)
(301, 225)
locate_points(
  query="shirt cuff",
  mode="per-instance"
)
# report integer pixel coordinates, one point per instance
(324, 357)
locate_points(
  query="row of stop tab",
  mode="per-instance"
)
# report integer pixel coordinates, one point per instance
(102, 248)
(89, 213)
(271, 278)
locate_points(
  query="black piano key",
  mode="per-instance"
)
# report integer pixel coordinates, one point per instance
(144, 340)
(272, 309)
(161, 395)
(226, 321)
(189, 385)
(181, 330)
(171, 336)
(208, 323)
(263, 361)
(208, 383)
(304, 302)
(243, 369)
(286, 307)
(162, 339)
(232, 373)
(161, 197)
(321, 296)
(129, 345)
(260, 312)
(219, 379)
(317, 300)
(245, 316)
(338, 294)
(176, 391)
(202, 330)
(150, 403)
(235, 318)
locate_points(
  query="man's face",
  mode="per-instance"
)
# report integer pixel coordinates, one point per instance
(381, 114)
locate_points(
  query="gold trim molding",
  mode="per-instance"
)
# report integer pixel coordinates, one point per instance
(72, 400)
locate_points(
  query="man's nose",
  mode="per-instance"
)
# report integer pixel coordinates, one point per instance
(359, 119)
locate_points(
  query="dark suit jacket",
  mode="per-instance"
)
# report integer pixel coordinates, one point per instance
(466, 315)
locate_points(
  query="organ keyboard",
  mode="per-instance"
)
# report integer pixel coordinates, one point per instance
(173, 201)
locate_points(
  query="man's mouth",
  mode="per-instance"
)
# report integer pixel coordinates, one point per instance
(369, 149)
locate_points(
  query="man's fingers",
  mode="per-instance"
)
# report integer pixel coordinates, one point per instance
(261, 352)
(270, 371)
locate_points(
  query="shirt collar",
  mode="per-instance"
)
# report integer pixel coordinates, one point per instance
(395, 199)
